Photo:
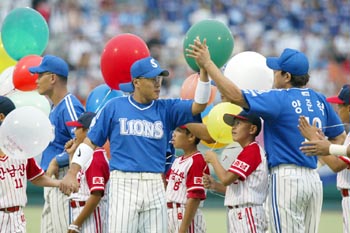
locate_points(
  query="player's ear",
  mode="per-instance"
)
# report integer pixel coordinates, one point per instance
(253, 129)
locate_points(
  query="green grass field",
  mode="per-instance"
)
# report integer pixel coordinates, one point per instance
(331, 221)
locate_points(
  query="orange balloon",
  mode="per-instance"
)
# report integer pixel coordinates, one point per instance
(189, 86)
(22, 79)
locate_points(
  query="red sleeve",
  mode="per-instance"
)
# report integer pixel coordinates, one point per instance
(33, 169)
(194, 182)
(97, 174)
(346, 160)
(247, 161)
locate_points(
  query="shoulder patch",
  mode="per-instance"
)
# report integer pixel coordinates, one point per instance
(241, 165)
(98, 180)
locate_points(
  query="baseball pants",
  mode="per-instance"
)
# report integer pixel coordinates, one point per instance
(295, 199)
(54, 218)
(246, 219)
(137, 203)
(12, 222)
(175, 215)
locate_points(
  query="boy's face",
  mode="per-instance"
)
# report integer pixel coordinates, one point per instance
(80, 134)
(241, 130)
(180, 138)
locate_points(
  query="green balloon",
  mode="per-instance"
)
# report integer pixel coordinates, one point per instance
(219, 40)
(24, 32)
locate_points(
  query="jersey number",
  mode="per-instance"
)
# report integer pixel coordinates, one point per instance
(19, 183)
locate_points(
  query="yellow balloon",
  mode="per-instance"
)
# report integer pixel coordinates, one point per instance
(5, 60)
(215, 145)
(217, 128)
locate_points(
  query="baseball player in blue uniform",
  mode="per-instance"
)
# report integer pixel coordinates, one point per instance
(138, 128)
(52, 82)
(295, 193)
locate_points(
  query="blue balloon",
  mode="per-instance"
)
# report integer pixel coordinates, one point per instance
(99, 96)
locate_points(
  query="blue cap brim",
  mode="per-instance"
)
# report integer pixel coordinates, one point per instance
(126, 87)
(272, 63)
(156, 72)
(36, 70)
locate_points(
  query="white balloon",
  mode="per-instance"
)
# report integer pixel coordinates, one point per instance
(25, 133)
(30, 98)
(248, 70)
(6, 82)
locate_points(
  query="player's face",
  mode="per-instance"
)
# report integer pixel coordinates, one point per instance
(241, 131)
(279, 80)
(149, 88)
(343, 112)
(80, 134)
(44, 83)
(180, 138)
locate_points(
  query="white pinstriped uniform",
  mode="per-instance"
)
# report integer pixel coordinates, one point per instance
(184, 178)
(94, 176)
(55, 214)
(246, 196)
(343, 182)
(13, 184)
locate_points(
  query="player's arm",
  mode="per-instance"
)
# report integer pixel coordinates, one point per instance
(199, 51)
(200, 131)
(335, 163)
(89, 207)
(202, 93)
(190, 211)
(225, 177)
(210, 183)
(81, 156)
(45, 181)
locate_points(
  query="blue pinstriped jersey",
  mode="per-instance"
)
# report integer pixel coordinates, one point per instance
(69, 109)
(280, 110)
(138, 133)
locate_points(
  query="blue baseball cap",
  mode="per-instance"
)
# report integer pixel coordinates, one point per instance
(51, 64)
(343, 97)
(291, 61)
(146, 68)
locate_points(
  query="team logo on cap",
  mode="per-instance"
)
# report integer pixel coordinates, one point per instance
(154, 63)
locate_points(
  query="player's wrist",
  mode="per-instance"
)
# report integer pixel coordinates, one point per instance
(335, 149)
(74, 228)
(82, 154)
(202, 93)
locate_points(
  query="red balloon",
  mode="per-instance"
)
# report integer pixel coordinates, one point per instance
(189, 86)
(117, 57)
(22, 79)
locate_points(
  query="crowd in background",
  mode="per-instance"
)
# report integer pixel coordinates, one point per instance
(79, 30)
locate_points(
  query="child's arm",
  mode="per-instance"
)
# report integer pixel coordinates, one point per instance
(89, 207)
(45, 181)
(210, 183)
(190, 211)
(224, 176)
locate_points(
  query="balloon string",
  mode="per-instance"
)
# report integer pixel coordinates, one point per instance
(104, 98)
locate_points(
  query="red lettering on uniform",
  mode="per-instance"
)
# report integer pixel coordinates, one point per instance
(198, 180)
(97, 180)
(179, 216)
(240, 216)
(241, 165)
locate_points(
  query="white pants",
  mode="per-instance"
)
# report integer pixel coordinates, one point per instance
(54, 218)
(137, 203)
(246, 219)
(175, 216)
(295, 199)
